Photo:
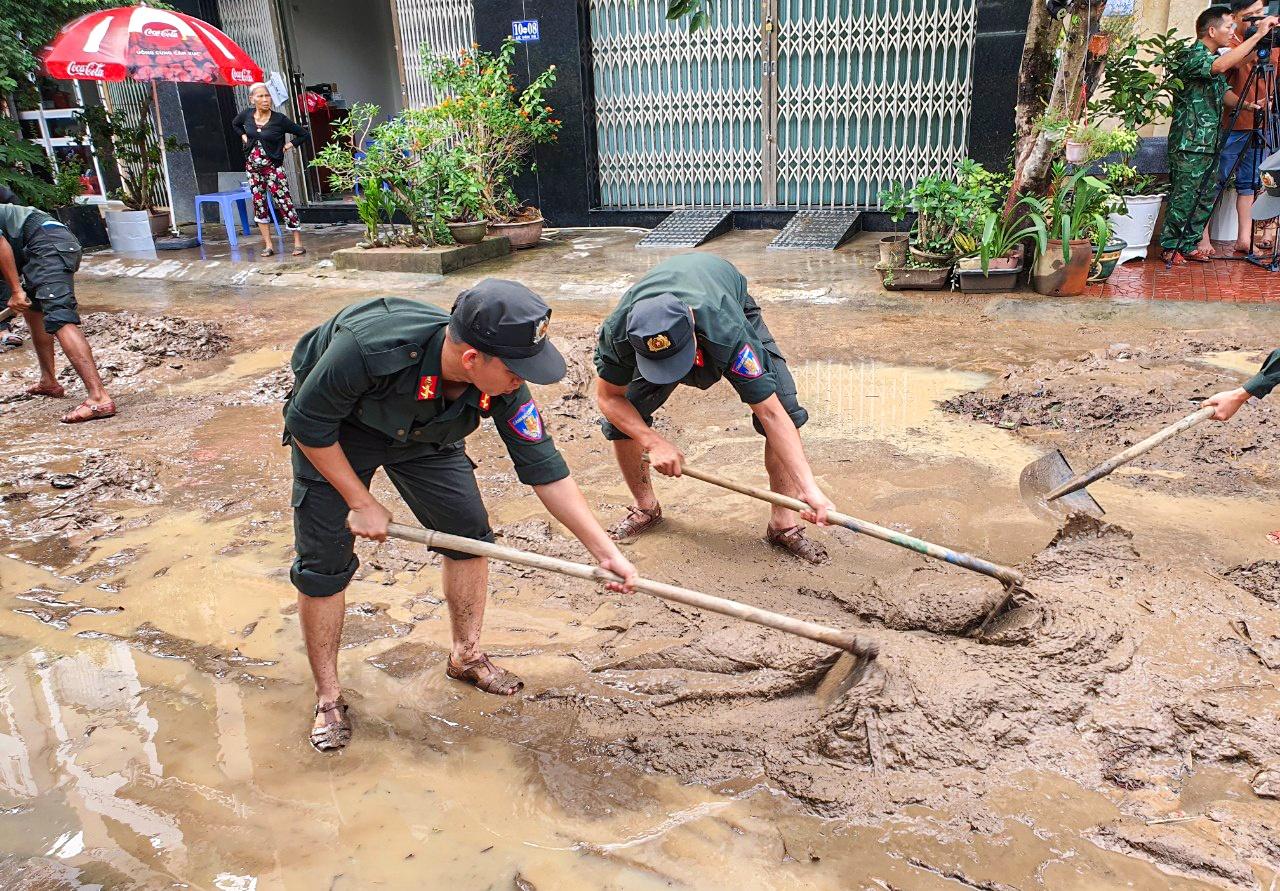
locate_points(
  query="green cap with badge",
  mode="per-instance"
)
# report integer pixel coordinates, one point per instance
(507, 320)
(660, 330)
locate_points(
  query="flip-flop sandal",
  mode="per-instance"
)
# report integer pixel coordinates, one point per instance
(794, 542)
(1173, 258)
(484, 675)
(334, 735)
(300, 252)
(57, 391)
(637, 522)
(87, 411)
(1199, 256)
(268, 252)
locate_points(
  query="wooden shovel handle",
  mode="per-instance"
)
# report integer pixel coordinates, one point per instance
(957, 558)
(856, 644)
(1093, 474)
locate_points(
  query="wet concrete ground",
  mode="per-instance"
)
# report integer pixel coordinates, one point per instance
(154, 694)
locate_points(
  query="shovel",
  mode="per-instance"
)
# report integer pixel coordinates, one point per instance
(1011, 578)
(1050, 487)
(864, 650)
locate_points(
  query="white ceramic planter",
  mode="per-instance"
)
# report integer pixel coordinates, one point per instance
(130, 231)
(1224, 225)
(1136, 227)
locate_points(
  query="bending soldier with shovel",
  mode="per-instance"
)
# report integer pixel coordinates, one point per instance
(691, 321)
(396, 384)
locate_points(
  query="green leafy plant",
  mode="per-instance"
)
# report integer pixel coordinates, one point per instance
(1124, 179)
(946, 206)
(1136, 90)
(67, 185)
(494, 125)
(1077, 208)
(1002, 234)
(23, 166)
(136, 147)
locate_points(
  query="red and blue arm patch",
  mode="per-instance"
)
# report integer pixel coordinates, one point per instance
(746, 363)
(526, 423)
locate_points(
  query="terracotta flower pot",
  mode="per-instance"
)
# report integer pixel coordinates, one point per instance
(1099, 44)
(524, 234)
(893, 251)
(1055, 277)
(468, 233)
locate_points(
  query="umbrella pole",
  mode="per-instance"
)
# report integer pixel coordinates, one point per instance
(164, 162)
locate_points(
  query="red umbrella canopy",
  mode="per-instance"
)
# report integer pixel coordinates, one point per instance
(147, 44)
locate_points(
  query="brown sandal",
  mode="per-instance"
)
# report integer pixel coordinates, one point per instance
(793, 541)
(484, 675)
(267, 252)
(87, 411)
(57, 391)
(637, 522)
(300, 252)
(334, 735)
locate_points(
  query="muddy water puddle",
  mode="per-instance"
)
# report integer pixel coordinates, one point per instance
(1242, 362)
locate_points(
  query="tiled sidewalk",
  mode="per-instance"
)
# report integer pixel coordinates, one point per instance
(1222, 279)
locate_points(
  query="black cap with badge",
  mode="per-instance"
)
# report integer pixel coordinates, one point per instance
(660, 330)
(507, 320)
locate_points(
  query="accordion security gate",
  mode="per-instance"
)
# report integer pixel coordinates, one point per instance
(778, 103)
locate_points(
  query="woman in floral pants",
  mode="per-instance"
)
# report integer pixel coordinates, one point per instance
(264, 134)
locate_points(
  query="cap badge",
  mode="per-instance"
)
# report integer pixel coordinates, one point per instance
(427, 386)
(540, 333)
(658, 343)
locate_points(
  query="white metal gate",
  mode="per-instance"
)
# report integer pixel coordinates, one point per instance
(778, 103)
(441, 26)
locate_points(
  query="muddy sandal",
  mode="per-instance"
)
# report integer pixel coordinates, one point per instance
(300, 252)
(484, 675)
(637, 522)
(794, 542)
(87, 411)
(57, 391)
(267, 252)
(335, 734)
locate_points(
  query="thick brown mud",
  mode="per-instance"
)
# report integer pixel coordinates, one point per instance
(1116, 727)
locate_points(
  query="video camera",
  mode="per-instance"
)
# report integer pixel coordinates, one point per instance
(1267, 43)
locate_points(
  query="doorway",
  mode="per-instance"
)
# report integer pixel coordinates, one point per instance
(338, 59)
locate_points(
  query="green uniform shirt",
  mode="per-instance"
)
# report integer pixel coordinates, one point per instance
(12, 218)
(1197, 107)
(376, 364)
(1267, 378)
(726, 323)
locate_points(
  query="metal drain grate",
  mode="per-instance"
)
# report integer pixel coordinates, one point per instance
(816, 230)
(687, 228)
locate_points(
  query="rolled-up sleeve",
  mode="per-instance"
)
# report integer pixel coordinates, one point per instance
(744, 366)
(612, 367)
(329, 394)
(1262, 383)
(521, 426)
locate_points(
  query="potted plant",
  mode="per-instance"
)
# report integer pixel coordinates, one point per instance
(84, 220)
(1136, 90)
(1075, 211)
(914, 276)
(461, 201)
(998, 259)
(944, 207)
(495, 127)
(136, 148)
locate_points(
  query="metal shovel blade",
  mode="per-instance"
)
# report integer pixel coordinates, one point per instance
(1047, 473)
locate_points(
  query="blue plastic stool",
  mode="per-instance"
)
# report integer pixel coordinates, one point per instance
(271, 208)
(241, 198)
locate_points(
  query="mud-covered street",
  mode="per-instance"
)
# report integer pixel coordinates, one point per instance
(1118, 727)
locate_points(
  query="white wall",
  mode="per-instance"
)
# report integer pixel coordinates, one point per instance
(350, 44)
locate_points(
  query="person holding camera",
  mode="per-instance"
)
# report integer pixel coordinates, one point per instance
(1193, 136)
(1245, 124)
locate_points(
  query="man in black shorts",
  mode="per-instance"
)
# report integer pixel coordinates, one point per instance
(38, 260)
(691, 321)
(395, 384)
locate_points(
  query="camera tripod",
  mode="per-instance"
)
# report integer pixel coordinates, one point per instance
(1266, 127)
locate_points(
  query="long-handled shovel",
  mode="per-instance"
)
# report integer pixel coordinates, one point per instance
(1049, 485)
(1009, 577)
(863, 649)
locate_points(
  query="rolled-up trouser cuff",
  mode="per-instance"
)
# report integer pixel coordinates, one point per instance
(319, 584)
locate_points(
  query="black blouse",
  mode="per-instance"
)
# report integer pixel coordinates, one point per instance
(271, 136)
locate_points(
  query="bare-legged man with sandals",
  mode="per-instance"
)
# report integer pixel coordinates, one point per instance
(395, 384)
(38, 260)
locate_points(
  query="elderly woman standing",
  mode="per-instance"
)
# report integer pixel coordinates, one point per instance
(265, 134)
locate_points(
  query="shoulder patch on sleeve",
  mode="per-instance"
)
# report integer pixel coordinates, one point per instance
(746, 363)
(527, 423)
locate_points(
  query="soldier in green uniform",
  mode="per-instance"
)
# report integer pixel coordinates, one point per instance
(38, 260)
(1228, 402)
(691, 321)
(1193, 135)
(395, 384)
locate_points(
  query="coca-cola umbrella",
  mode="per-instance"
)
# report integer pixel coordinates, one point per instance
(145, 44)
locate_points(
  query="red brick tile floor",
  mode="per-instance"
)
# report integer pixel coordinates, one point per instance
(1221, 279)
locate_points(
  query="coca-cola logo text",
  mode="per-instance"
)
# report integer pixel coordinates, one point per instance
(162, 33)
(242, 75)
(86, 69)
